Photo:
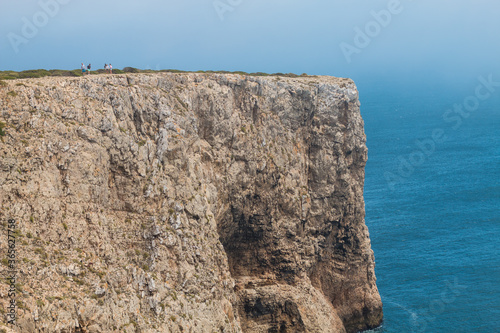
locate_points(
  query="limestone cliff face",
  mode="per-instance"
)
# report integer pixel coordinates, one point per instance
(187, 203)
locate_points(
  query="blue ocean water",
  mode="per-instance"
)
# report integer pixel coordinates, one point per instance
(433, 210)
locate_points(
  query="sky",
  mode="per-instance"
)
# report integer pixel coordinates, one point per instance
(453, 40)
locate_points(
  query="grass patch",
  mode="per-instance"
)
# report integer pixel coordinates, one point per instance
(78, 281)
(181, 102)
(2, 131)
(37, 73)
(21, 305)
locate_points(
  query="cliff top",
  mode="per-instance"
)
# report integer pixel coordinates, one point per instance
(290, 78)
(39, 73)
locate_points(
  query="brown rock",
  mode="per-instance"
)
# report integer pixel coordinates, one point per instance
(197, 202)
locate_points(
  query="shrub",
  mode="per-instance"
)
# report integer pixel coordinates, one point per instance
(33, 73)
(60, 72)
(172, 71)
(131, 70)
(259, 74)
(9, 75)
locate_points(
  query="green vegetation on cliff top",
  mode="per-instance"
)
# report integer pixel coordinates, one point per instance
(36, 73)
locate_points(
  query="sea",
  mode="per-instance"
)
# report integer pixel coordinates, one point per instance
(432, 196)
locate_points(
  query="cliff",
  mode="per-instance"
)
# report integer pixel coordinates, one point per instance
(186, 203)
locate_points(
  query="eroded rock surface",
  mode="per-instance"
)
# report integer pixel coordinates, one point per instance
(187, 203)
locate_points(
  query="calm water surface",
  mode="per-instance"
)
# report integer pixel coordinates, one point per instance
(433, 212)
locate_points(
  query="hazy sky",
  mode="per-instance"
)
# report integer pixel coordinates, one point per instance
(448, 38)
